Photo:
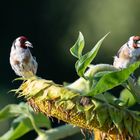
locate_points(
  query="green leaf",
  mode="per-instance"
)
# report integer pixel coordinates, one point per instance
(136, 130)
(127, 97)
(94, 79)
(134, 89)
(117, 117)
(23, 122)
(135, 123)
(102, 116)
(77, 48)
(68, 105)
(97, 104)
(113, 79)
(17, 129)
(88, 116)
(100, 74)
(128, 123)
(42, 120)
(23, 125)
(8, 112)
(80, 108)
(11, 110)
(86, 59)
(109, 97)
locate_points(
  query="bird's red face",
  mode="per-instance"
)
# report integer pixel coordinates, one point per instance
(134, 42)
(22, 42)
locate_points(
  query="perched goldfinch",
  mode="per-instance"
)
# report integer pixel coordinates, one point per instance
(21, 59)
(128, 53)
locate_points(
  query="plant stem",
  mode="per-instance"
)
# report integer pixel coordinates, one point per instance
(39, 131)
(82, 85)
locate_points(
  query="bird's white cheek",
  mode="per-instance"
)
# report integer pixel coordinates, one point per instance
(130, 42)
(17, 43)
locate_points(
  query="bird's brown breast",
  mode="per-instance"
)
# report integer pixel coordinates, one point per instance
(16, 62)
(26, 59)
(124, 53)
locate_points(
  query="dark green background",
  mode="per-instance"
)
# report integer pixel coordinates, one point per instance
(53, 25)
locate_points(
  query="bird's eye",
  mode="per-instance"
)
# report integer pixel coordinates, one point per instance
(22, 41)
(135, 41)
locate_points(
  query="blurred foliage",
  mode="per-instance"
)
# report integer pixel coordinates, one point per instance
(24, 121)
(5, 98)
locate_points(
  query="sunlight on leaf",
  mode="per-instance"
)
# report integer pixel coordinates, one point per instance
(113, 79)
(127, 97)
(77, 48)
(9, 111)
(85, 60)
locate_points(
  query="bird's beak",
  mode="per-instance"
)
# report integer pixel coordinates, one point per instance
(28, 44)
(138, 43)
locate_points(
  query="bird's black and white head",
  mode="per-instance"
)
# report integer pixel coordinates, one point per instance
(22, 42)
(134, 42)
